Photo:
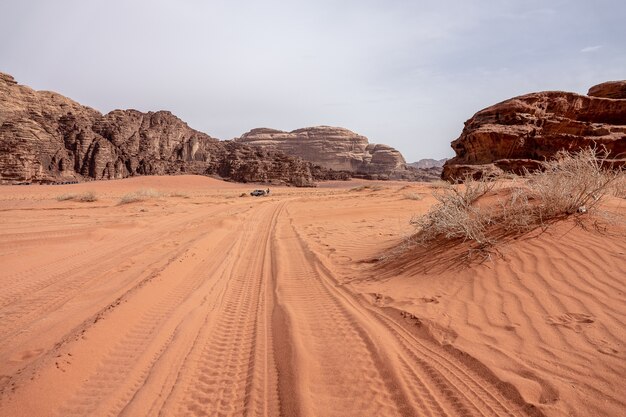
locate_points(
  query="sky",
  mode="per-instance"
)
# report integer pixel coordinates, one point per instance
(404, 73)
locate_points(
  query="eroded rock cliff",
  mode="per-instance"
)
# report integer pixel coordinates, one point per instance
(517, 133)
(609, 89)
(45, 137)
(334, 148)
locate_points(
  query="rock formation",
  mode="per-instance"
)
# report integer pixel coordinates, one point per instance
(45, 137)
(428, 163)
(609, 89)
(335, 149)
(518, 133)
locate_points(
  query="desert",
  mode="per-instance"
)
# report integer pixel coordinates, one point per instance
(197, 299)
(312, 208)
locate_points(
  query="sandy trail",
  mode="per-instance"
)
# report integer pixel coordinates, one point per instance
(214, 305)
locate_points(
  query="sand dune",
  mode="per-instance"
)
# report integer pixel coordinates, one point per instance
(199, 302)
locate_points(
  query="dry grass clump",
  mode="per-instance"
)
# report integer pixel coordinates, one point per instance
(571, 184)
(456, 216)
(140, 195)
(368, 187)
(65, 197)
(180, 194)
(86, 197)
(414, 196)
(438, 184)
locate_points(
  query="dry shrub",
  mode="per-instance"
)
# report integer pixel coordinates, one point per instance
(368, 187)
(86, 197)
(414, 196)
(572, 183)
(438, 184)
(140, 195)
(456, 215)
(65, 197)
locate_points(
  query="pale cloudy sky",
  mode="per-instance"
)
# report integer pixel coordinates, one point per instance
(405, 73)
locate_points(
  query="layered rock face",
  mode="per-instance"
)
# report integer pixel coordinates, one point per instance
(518, 133)
(333, 148)
(428, 163)
(45, 137)
(609, 89)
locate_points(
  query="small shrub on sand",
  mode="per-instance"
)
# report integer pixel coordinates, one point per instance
(86, 197)
(571, 184)
(438, 184)
(414, 196)
(455, 215)
(368, 187)
(65, 197)
(180, 194)
(141, 195)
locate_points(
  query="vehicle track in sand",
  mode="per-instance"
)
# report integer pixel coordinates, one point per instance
(240, 319)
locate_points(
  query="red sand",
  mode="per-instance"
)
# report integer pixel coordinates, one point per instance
(200, 302)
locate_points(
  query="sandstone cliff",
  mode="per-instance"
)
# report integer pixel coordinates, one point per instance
(45, 137)
(609, 89)
(335, 148)
(428, 163)
(517, 133)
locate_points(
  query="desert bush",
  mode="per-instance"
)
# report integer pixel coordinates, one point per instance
(572, 183)
(180, 194)
(65, 197)
(140, 195)
(86, 197)
(456, 216)
(414, 196)
(130, 198)
(438, 184)
(368, 187)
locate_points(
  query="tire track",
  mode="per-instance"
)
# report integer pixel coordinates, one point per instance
(427, 374)
(233, 370)
(28, 299)
(122, 371)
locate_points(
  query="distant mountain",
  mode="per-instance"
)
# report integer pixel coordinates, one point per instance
(334, 148)
(47, 138)
(428, 163)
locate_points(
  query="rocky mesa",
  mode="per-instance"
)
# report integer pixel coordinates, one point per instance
(517, 133)
(336, 149)
(46, 137)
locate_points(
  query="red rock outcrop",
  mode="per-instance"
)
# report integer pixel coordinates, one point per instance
(517, 133)
(336, 149)
(609, 89)
(45, 137)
